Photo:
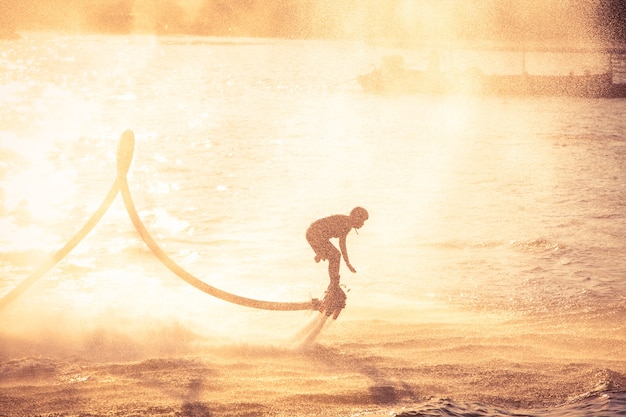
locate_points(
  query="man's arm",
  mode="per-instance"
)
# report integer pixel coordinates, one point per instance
(344, 252)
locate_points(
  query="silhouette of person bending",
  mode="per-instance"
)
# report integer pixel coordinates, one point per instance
(318, 235)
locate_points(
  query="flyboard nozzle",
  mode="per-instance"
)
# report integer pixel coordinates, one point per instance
(125, 149)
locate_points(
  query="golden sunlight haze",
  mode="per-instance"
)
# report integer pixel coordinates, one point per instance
(400, 20)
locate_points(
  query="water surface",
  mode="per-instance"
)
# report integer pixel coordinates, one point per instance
(490, 273)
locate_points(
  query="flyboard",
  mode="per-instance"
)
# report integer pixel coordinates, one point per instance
(332, 304)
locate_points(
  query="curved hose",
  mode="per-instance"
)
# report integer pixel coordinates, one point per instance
(173, 266)
(125, 151)
(123, 163)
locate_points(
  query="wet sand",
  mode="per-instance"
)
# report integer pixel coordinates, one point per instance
(353, 367)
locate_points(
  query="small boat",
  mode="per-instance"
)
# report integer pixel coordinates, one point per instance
(393, 77)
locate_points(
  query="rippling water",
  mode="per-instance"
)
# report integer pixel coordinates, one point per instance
(491, 275)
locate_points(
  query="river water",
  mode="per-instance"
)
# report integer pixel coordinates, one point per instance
(491, 277)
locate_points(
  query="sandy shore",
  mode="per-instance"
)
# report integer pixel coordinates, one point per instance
(353, 367)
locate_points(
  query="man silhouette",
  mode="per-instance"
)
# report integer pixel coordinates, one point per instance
(318, 235)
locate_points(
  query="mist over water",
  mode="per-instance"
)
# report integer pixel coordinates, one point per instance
(490, 275)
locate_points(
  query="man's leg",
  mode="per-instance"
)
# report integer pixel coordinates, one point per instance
(335, 297)
(334, 260)
(319, 247)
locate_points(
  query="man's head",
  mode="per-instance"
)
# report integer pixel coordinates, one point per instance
(358, 215)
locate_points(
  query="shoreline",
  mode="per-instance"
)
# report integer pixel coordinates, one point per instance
(354, 367)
